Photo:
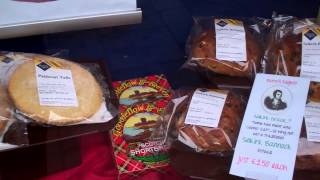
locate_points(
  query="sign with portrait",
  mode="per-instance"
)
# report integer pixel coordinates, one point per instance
(268, 139)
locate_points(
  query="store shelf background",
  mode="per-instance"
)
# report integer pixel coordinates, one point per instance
(157, 45)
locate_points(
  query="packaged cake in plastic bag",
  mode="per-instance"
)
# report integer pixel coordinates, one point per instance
(200, 127)
(230, 47)
(205, 120)
(293, 50)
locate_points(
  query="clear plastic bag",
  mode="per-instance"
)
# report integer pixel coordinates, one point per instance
(7, 120)
(201, 47)
(208, 140)
(54, 91)
(196, 150)
(283, 56)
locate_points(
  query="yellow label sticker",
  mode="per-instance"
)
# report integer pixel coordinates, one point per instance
(234, 22)
(223, 22)
(316, 31)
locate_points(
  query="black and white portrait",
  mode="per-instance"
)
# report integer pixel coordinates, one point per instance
(275, 102)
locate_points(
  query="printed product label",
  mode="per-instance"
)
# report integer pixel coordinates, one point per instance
(310, 65)
(230, 40)
(205, 108)
(55, 85)
(313, 128)
(312, 121)
(312, 109)
(268, 139)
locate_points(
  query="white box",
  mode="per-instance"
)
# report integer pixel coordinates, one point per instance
(20, 18)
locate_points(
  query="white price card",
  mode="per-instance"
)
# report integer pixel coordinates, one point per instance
(312, 121)
(310, 65)
(313, 128)
(55, 86)
(205, 108)
(230, 40)
(268, 139)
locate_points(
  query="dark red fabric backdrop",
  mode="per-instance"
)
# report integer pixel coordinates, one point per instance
(97, 164)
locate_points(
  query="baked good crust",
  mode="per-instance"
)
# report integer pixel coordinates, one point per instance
(22, 88)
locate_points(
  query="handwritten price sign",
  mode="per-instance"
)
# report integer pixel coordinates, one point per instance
(268, 138)
(262, 163)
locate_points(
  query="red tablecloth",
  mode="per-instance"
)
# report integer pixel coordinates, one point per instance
(97, 163)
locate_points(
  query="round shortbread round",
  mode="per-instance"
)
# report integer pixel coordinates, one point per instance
(23, 91)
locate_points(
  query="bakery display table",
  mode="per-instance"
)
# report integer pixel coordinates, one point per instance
(157, 46)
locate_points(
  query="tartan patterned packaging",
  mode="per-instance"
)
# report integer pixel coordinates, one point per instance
(134, 154)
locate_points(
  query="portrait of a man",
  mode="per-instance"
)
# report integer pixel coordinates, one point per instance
(276, 102)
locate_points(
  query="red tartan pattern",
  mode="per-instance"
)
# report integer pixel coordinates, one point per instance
(125, 163)
(160, 80)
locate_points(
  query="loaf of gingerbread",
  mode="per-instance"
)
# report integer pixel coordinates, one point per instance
(283, 55)
(288, 62)
(219, 139)
(201, 49)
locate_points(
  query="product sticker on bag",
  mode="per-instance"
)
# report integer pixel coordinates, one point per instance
(6, 60)
(55, 84)
(230, 40)
(205, 108)
(312, 121)
(268, 140)
(312, 109)
(310, 65)
(313, 128)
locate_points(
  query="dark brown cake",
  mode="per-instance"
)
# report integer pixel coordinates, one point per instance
(208, 139)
